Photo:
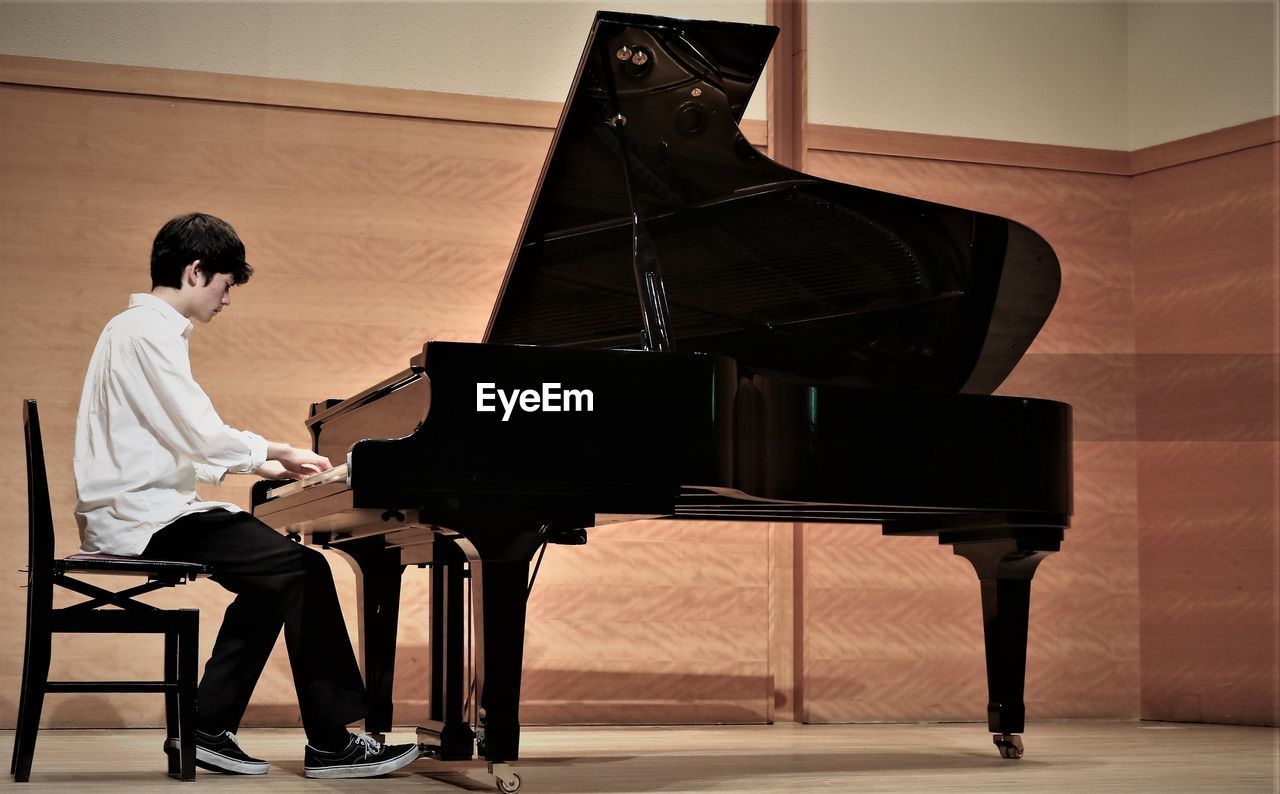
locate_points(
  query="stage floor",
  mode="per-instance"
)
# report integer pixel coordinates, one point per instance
(1074, 756)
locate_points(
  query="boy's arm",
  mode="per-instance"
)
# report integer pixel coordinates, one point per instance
(183, 418)
(210, 474)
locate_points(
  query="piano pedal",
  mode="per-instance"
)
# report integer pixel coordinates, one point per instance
(1009, 744)
(452, 741)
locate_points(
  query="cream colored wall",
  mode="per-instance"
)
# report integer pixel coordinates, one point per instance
(1103, 75)
(1198, 67)
(1034, 72)
(527, 49)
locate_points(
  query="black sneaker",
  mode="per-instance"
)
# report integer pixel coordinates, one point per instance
(221, 753)
(363, 756)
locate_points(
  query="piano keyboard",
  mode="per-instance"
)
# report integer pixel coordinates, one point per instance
(332, 475)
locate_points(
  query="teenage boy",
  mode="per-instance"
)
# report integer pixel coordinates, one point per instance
(145, 433)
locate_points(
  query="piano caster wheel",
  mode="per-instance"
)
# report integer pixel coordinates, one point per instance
(507, 781)
(1010, 745)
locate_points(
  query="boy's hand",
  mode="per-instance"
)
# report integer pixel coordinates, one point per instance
(275, 470)
(296, 462)
(300, 462)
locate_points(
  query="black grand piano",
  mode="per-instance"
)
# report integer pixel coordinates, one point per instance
(689, 330)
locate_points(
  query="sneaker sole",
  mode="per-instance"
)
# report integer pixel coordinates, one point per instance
(362, 770)
(207, 759)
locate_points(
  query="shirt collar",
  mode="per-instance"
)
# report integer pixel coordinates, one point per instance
(181, 325)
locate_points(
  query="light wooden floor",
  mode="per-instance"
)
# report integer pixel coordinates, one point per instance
(1061, 757)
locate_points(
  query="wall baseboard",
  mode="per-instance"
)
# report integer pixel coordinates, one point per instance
(1210, 144)
(281, 92)
(859, 140)
(855, 140)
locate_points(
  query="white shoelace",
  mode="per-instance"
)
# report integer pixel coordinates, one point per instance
(370, 744)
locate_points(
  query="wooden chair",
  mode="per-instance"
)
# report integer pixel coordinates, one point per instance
(105, 612)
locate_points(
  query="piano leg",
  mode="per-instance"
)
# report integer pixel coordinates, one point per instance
(448, 730)
(502, 584)
(1005, 567)
(378, 571)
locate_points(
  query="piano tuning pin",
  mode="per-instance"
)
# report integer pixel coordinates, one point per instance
(624, 53)
(637, 63)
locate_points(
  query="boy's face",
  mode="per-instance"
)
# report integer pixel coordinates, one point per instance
(206, 300)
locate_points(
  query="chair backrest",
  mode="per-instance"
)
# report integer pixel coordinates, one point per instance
(39, 514)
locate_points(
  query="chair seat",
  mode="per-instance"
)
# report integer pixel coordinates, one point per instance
(112, 563)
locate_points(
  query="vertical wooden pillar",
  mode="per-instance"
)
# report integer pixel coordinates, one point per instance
(786, 623)
(787, 120)
(787, 83)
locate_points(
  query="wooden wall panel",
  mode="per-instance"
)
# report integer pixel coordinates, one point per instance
(1207, 280)
(652, 622)
(893, 625)
(370, 235)
(375, 231)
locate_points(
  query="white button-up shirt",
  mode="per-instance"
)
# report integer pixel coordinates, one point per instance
(146, 432)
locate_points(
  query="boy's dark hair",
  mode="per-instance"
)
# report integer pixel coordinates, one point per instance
(193, 236)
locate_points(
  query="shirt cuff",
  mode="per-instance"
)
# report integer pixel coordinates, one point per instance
(257, 451)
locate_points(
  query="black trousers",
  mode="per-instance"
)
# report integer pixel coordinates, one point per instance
(278, 583)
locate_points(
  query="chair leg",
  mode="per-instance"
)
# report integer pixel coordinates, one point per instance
(188, 661)
(172, 734)
(22, 699)
(35, 675)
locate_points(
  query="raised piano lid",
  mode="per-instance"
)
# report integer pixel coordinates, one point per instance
(790, 275)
